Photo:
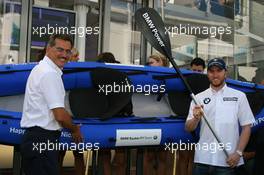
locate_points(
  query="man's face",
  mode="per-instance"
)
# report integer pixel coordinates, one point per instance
(197, 68)
(60, 52)
(216, 76)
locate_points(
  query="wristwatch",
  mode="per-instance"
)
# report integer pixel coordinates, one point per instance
(239, 153)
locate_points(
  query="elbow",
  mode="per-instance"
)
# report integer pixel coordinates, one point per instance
(60, 114)
(59, 119)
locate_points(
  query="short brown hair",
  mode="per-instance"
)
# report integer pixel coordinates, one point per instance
(198, 62)
(64, 37)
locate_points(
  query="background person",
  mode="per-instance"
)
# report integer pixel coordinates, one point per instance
(44, 113)
(198, 64)
(226, 109)
(158, 60)
(259, 77)
(75, 55)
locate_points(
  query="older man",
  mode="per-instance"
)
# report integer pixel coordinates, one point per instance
(44, 114)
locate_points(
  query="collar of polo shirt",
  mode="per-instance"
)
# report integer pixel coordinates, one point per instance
(50, 62)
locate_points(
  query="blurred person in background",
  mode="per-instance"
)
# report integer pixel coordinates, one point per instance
(198, 64)
(158, 60)
(75, 55)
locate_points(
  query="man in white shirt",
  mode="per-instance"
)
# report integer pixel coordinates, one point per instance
(226, 109)
(44, 114)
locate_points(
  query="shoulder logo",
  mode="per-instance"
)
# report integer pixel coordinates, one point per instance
(206, 100)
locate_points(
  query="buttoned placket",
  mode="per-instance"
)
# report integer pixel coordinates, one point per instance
(217, 97)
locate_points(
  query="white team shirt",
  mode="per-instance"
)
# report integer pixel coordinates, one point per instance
(226, 109)
(44, 91)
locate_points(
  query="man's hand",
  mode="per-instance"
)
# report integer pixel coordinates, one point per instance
(198, 112)
(76, 134)
(233, 160)
(65, 120)
(191, 124)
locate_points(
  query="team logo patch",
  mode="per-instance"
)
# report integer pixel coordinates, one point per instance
(206, 100)
(230, 99)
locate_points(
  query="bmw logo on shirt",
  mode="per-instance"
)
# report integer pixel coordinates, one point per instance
(206, 100)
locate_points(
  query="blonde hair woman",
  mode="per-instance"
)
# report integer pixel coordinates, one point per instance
(158, 60)
(75, 55)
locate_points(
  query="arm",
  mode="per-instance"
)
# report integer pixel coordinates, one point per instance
(244, 137)
(65, 120)
(51, 86)
(234, 158)
(194, 119)
(191, 124)
(246, 118)
(53, 92)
